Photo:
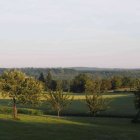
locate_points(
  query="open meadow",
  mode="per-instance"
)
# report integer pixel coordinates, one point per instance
(120, 105)
(75, 124)
(68, 128)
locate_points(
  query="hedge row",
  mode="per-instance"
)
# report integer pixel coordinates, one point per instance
(9, 110)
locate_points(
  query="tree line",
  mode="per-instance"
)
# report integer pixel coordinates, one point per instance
(70, 73)
(23, 89)
(77, 84)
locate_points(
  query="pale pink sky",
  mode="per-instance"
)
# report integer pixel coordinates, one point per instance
(52, 33)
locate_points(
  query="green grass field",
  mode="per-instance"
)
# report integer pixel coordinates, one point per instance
(120, 105)
(31, 127)
(68, 128)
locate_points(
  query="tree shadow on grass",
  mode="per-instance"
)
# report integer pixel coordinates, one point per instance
(122, 106)
(52, 128)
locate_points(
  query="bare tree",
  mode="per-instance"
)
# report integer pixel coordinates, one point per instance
(94, 97)
(58, 100)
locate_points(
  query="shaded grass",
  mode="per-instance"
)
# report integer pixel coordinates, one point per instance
(68, 128)
(121, 105)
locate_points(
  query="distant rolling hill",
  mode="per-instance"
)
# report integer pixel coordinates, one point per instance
(102, 69)
(70, 73)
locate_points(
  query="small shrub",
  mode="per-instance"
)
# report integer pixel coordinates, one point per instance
(30, 111)
(5, 110)
(9, 110)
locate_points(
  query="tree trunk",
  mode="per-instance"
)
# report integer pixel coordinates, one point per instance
(14, 109)
(58, 113)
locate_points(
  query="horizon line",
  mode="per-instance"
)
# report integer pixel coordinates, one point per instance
(68, 67)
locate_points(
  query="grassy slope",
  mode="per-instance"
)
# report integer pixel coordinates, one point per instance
(51, 128)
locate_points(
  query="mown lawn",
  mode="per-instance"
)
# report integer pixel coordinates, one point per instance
(120, 105)
(68, 128)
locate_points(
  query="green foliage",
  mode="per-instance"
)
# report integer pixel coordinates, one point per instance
(20, 88)
(6, 110)
(105, 85)
(41, 77)
(49, 81)
(116, 82)
(30, 111)
(66, 85)
(31, 92)
(66, 75)
(53, 85)
(70, 73)
(78, 83)
(126, 82)
(24, 89)
(9, 110)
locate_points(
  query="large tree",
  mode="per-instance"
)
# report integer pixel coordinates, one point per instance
(78, 83)
(20, 88)
(49, 80)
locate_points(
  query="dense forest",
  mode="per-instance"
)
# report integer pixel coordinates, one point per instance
(70, 73)
(75, 79)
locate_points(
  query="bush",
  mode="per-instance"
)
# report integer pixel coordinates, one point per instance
(5, 110)
(30, 111)
(9, 110)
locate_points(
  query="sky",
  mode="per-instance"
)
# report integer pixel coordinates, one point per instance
(68, 33)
